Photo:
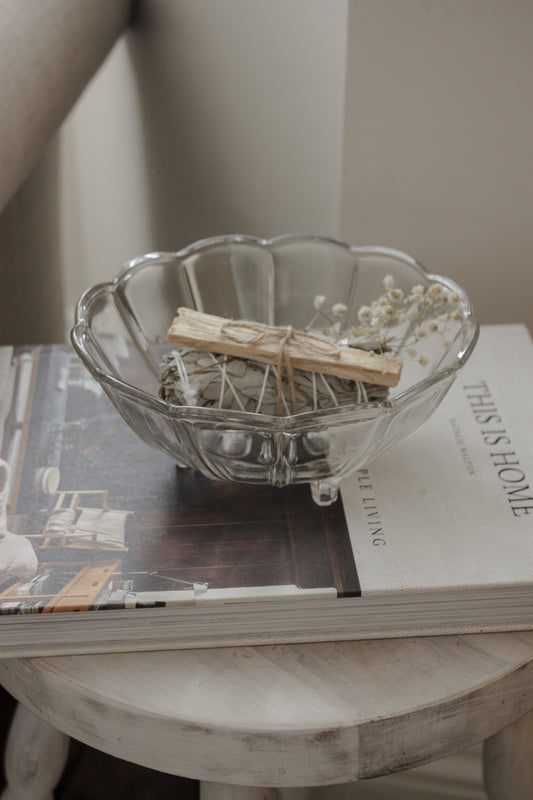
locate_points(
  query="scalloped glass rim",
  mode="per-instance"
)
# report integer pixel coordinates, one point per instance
(353, 411)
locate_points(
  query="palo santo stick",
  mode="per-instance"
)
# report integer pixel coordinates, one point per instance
(281, 345)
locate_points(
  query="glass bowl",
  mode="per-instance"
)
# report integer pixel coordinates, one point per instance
(121, 326)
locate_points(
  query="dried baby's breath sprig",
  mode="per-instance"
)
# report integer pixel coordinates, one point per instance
(331, 319)
(398, 320)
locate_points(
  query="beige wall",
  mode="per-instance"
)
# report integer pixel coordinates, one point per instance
(407, 123)
(438, 151)
(104, 196)
(213, 117)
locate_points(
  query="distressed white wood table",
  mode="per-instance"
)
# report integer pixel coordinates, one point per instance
(279, 716)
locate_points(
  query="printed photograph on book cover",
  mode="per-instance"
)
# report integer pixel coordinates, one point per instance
(91, 517)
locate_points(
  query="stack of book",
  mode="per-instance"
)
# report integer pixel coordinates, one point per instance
(105, 545)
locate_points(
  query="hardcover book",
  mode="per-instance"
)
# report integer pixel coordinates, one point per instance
(106, 545)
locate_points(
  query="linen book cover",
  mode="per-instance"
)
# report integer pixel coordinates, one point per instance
(106, 545)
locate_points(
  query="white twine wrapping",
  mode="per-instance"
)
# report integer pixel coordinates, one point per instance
(195, 377)
(281, 335)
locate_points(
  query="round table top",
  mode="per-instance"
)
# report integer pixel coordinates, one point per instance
(285, 715)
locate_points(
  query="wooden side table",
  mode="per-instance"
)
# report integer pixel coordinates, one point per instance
(245, 718)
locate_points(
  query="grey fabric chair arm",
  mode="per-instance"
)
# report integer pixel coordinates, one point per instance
(49, 49)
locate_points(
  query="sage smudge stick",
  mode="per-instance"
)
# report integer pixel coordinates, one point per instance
(194, 377)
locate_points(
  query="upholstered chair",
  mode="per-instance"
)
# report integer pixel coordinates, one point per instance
(49, 50)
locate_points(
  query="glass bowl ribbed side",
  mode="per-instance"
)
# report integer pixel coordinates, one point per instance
(377, 296)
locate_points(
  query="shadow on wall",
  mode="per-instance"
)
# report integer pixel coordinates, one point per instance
(31, 287)
(242, 111)
(194, 191)
(180, 189)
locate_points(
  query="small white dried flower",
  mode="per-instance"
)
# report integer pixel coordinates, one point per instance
(456, 314)
(411, 352)
(389, 282)
(435, 290)
(423, 361)
(432, 326)
(339, 309)
(381, 315)
(396, 294)
(319, 301)
(413, 313)
(453, 297)
(421, 331)
(417, 291)
(365, 314)
(400, 315)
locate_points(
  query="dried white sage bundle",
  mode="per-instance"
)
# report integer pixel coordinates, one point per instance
(199, 378)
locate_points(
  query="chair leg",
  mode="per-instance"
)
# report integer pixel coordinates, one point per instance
(508, 761)
(225, 791)
(35, 757)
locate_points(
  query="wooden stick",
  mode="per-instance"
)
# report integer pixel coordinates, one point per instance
(281, 345)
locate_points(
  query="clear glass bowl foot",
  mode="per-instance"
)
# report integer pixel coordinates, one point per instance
(324, 493)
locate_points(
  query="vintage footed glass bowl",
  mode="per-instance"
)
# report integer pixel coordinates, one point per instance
(378, 297)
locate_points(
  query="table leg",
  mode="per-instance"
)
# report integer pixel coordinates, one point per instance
(35, 757)
(508, 761)
(225, 791)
